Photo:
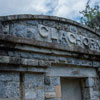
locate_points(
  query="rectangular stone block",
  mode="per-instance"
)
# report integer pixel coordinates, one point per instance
(34, 86)
(90, 82)
(11, 76)
(49, 95)
(9, 86)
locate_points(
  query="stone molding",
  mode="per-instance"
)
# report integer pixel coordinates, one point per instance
(32, 42)
(44, 17)
(43, 63)
(24, 62)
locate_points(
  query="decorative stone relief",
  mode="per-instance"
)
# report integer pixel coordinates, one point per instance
(67, 38)
(43, 31)
(71, 38)
(54, 34)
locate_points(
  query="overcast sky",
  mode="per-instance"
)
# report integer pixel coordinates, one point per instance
(62, 8)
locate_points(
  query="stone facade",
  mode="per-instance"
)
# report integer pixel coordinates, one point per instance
(37, 52)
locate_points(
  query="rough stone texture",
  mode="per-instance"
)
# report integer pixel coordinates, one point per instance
(37, 51)
(50, 89)
(27, 29)
(31, 30)
(69, 71)
(22, 61)
(91, 89)
(34, 87)
(9, 85)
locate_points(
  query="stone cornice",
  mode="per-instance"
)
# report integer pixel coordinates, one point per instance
(44, 17)
(32, 42)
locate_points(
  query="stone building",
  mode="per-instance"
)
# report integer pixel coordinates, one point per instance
(48, 58)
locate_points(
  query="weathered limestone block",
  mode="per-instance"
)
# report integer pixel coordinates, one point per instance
(90, 90)
(10, 76)
(25, 62)
(40, 50)
(25, 29)
(90, 82)
(51, 89)
(34, 87)
(9, 85)
(49, 95)
(54, 81)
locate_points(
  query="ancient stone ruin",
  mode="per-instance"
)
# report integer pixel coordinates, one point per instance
(48, 58)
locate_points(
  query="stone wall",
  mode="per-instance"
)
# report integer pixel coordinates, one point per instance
(9, 85)
(36, 52)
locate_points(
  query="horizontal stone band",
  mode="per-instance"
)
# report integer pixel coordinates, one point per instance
(22, 61)
(33, 42)
(44, 63)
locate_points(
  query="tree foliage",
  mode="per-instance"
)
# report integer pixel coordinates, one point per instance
(91, 16)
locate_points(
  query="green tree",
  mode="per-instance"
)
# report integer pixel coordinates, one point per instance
(91, 16)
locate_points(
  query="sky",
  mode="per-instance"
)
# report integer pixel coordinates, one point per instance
(62, 8)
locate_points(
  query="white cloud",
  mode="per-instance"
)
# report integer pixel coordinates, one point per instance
(62, 8)
(69, 8)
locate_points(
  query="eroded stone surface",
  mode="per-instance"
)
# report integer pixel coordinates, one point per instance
(9, 85)
(34, 86)
(37, 51)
